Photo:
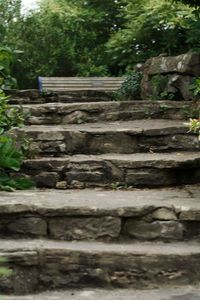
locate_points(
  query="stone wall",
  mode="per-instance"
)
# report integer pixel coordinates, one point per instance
(147, 223)
(170, 77)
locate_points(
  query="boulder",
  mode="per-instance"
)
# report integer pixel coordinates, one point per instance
(187, 64)
(166, 77)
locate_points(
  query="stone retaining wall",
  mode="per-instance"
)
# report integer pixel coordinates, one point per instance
(149, 224)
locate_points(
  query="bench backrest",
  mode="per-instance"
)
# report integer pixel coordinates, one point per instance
(57, 84)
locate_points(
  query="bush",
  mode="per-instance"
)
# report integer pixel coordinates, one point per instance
(9, 116)
(130, 88)
(6, 61)
(4, 271)
(11, 151)
(12, 154)
(195, 87)
(195, 126)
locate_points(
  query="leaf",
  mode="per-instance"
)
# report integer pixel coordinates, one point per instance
(5, 272)
(23, 184)
(10, 156)
(6, 188)
(4, 178)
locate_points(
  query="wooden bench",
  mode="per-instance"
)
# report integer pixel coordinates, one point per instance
(64, 84)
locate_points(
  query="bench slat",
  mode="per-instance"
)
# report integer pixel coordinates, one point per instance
(82, 78)
(81, 89)
(80, 83)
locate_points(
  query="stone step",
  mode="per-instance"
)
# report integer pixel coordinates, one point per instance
(40, 265)
(114, 170)
(111, 137)
(170, 293)
(158, 214)
(62, 113)
(34, 96)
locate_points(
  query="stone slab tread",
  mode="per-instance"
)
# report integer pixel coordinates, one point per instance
(146, 127)
(96, 202)
(12, 247)
(171, 293)
(157, 160)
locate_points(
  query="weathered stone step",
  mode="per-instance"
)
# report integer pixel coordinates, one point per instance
(116, 137)
(34, 96)
(113, 170)
(42, 265)
(170, 293)
(61, 113)
(167, 214)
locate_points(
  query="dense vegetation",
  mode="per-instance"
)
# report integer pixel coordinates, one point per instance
(12, 151)
(94, 37)
(195, 3)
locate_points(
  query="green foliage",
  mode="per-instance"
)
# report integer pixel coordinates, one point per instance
(89, 69)
(130, 88)
(6, 61)
(193, 31)
(11, 152)
(65, 38)
(10, 116)
(191, 111)
(120, 186)
(95, 37)
(195, 3)
(195, 126)
(194, 109)
(11, 159)
(9, 16)
(195, 87)
(4, 271)
(152, 27)
(159, 85)
(10, 156)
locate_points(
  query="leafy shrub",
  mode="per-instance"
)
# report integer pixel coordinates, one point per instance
(9, 116)
(6, 61)
(195, 126)
(130, 88)
(194, 123)
(10, 156)
(4, 271)
(159, 88)
(11, 151)
(191, 111)
(11, 159)
(89, 69)
(195, 87)
(151, 28)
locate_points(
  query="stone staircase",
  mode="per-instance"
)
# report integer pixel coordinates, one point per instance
(117, 204)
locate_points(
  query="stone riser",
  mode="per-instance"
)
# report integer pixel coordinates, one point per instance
(103, 228)
(88, 143)
(39, 265)
(110, 137)
(82, 117)
(77, 113)
(34, 96)
(47, 117)
(103, 171)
